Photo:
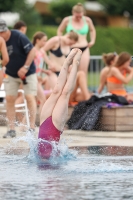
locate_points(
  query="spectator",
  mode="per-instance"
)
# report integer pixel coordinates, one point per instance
(20, 69)
(81, 25)
(109, 60)
(59, 47)
(39, 40)
(20, 26)
(117, 76)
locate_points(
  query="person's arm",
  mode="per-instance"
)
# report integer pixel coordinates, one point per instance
(3, 50)
(115, 72)
(24, 69)
(103, 78)
(92, 32)
(29, 51)
(46, 71)
(129, 69)
(50, 44)
(62, 26)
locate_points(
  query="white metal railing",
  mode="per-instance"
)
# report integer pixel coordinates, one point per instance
(95, 66)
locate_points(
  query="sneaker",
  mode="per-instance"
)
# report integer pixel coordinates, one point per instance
(10, 133)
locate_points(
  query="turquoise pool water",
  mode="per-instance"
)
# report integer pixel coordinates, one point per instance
(93, 173)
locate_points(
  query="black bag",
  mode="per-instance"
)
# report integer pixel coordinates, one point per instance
(86, 114)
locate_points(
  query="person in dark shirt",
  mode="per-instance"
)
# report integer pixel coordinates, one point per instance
(20, 69)
(20, 26)
(4, 58)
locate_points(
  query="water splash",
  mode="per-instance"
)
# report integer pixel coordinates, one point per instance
(55, 158)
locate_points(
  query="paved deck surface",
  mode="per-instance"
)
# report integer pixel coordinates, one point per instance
(74, 139)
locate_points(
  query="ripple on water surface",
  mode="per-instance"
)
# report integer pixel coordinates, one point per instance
(80, 173)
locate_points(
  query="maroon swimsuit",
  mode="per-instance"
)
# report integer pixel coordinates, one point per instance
(48, 132)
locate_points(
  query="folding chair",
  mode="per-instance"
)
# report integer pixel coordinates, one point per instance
(20, 108)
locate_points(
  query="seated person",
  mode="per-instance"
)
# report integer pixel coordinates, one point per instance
(119, 75)
(109, 60)
(80, 92)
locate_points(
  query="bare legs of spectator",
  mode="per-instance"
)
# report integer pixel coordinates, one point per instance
(32, 107)
(20, 116)
(40, 96)
(49, 81)
(84, 62)
(10, 102)
(83, 93)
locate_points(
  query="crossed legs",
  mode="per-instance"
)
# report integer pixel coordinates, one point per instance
(81, 83)
(57, 104)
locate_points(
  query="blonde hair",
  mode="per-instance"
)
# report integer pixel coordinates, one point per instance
(73, 36)
(38, 35)
(78, 8)
(107, 58)
(123, 57)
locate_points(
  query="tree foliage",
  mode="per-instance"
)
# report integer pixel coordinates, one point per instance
(109, 39)
(11, 5)
(26, 11)
(63, 8)
(30, 16)
(114, 7)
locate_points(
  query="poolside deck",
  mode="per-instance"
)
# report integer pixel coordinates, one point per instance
(75, 139)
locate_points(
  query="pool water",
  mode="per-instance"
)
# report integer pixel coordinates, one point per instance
(91, 173)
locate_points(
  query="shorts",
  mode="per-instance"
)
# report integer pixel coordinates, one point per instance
(11, 85)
